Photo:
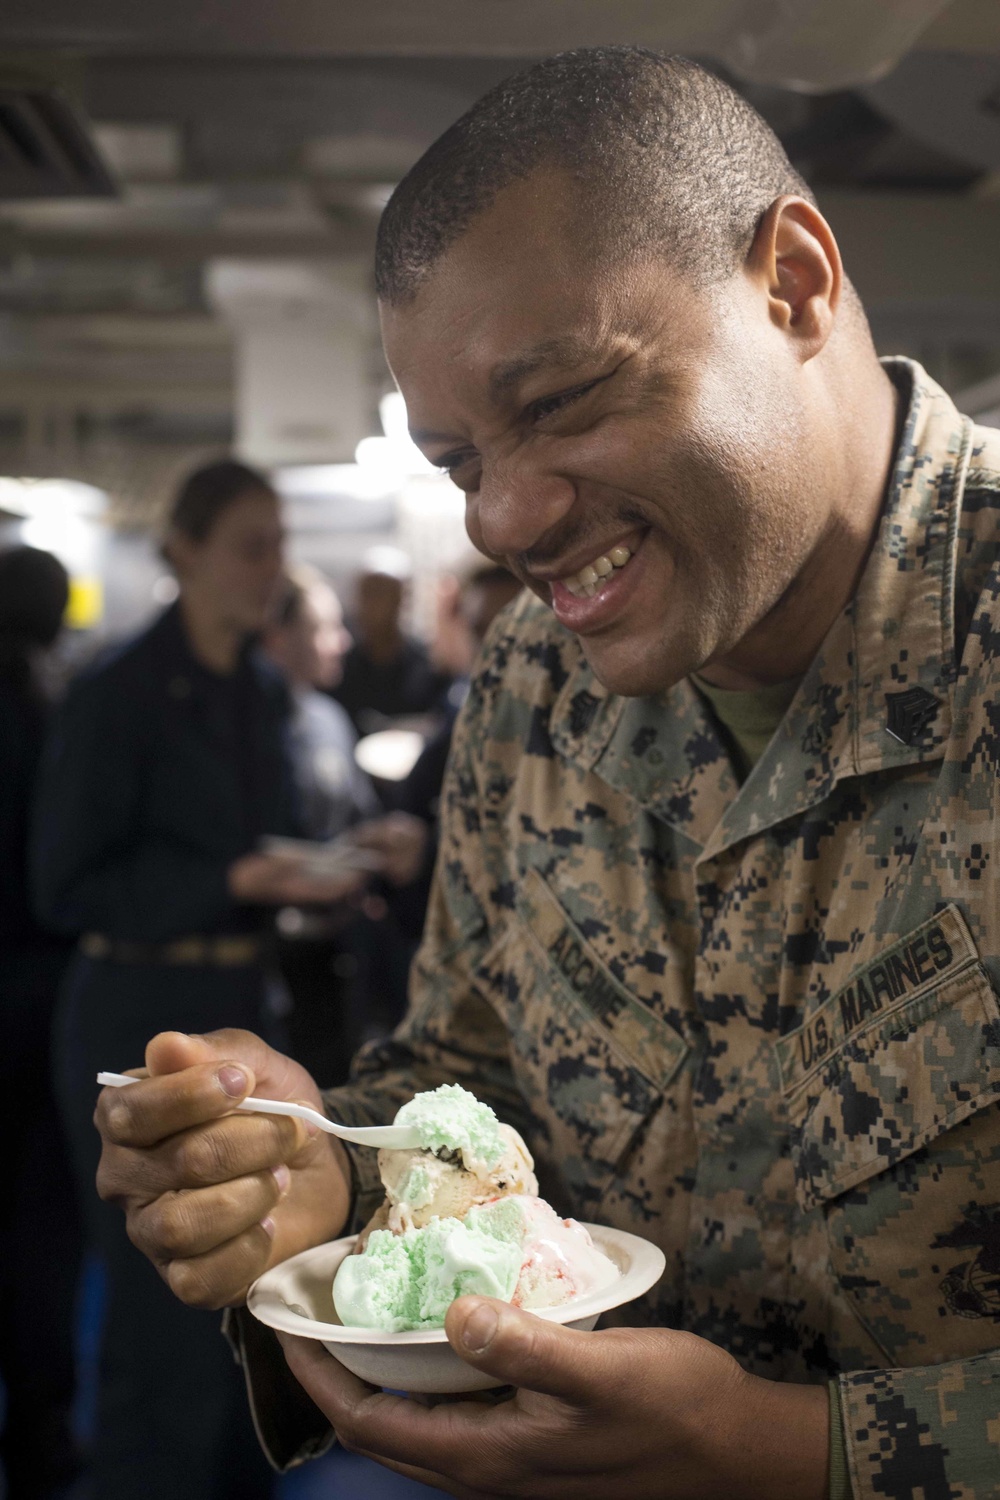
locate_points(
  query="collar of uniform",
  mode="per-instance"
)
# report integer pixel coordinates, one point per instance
(897, 633)
(665, 752)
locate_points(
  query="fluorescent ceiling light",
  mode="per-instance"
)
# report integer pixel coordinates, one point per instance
(51, 499)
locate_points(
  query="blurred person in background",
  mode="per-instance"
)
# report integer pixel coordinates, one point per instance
(306, 640)
(467, 606)
(39, 1226)
(388, 674)
(167, 764)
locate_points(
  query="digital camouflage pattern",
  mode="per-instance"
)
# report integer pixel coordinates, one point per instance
(759, 1025)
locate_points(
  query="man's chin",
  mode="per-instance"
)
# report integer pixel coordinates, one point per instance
(627, 671)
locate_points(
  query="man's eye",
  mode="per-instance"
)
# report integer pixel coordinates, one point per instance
(547, 406)
(450, 463)
(461, 468)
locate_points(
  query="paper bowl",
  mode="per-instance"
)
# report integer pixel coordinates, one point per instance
(297, 1297)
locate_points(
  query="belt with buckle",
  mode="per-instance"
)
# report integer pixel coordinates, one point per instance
(212, 952)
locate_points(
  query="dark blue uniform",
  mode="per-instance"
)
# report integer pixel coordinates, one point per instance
(158, 774)
(39, 1229)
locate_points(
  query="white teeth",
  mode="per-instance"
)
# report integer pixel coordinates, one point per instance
(584, 585)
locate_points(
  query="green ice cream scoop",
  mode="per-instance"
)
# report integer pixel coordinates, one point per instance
(410, 1280)
(449, 1118)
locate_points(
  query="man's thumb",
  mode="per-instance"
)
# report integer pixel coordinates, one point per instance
(520, 1349)
(173, 1051)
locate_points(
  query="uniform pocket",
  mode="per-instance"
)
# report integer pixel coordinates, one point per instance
(895, 1136)
(591, 1060)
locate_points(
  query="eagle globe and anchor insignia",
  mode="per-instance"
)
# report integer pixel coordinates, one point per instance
(972, 1290)
(909, 714)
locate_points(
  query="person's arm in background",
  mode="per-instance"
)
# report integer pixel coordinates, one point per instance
(94, 866)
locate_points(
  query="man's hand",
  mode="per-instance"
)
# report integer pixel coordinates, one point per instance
(618, 1415)
(215, 1197)
(283, 880)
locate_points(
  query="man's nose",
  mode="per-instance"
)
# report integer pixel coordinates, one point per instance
(518, 503)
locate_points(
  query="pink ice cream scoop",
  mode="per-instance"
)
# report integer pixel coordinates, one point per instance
(560, 1260)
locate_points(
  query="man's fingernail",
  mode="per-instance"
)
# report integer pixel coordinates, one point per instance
(268, 1227)
(232, 1081)
(310, 1127)
(479, 1328)
(282, 1177)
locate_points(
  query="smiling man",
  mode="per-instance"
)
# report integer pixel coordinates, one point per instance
(715, 921)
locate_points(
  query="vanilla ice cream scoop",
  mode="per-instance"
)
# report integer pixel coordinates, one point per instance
(420, 1186)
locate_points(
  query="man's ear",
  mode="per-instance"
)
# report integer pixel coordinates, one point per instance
(794, 258)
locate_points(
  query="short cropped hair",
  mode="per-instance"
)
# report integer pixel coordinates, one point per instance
(669, 160)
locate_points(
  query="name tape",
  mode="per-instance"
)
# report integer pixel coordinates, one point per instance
(648, 1042)
(937, 950)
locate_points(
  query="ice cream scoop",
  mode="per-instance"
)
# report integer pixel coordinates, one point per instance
(420, 1186)
(559, 1260)
(451, 1121)
(410, 1280)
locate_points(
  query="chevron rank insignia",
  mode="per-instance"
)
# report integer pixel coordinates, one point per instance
(910, 713)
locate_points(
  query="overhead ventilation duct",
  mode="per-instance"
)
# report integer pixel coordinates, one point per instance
(45, 150)
(949, 100)
(304, 336)
(816, 46)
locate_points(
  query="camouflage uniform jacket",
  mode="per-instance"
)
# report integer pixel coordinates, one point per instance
(759, 1024)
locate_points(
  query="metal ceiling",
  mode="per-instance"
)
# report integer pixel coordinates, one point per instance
(247, 131)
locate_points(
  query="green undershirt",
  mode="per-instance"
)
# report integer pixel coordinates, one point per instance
(748, 719)
(749, 722)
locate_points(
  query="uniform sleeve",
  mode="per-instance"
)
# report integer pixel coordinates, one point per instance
(93, 866)
(933, 1430)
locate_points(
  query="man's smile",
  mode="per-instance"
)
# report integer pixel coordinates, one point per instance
(594, 594)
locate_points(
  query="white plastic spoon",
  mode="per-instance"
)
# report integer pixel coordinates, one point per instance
(392, 1137)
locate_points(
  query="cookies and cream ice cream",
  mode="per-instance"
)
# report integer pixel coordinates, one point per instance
(462, 1215)
(420, 1186)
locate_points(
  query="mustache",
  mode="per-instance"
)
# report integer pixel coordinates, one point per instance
(579, 537)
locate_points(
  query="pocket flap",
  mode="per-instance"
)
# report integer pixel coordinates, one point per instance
(883, 1089)
(644, 1041)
